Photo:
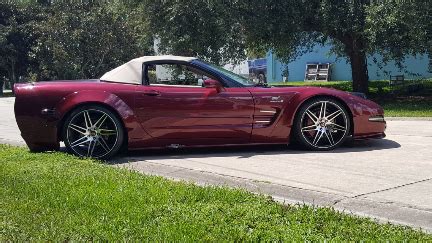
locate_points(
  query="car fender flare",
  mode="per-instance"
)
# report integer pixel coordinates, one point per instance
(300, 99)
(109, 100)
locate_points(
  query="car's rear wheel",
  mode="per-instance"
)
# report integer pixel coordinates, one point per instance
(322, 124)
(93, 131)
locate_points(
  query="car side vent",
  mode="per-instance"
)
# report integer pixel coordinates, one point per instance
(48, 112)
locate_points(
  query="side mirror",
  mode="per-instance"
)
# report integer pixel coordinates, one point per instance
(213, 84)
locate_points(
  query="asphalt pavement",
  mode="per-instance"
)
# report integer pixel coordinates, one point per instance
(387, 179)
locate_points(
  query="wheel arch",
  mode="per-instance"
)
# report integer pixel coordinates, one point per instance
(330, 96)
(101, 98)
(60, 124)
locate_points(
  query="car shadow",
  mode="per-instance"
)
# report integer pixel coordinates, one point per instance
(248, 151)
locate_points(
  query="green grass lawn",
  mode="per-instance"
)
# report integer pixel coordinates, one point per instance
(397, 102)
(58, 197)
(409, 107)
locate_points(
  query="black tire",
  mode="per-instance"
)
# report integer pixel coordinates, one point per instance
(93, 131)
(314, 129)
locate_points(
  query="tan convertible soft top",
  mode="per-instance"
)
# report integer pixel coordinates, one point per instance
(131, 72)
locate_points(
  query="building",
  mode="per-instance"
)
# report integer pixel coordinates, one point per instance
(419, 66)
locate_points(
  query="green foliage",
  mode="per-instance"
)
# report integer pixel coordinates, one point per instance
(290, 28)
(400, 28)
(195, 28)
(55, 40)
(81, 41)
(58, 197)
(17, 38)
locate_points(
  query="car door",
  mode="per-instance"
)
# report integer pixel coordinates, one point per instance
(180, 110)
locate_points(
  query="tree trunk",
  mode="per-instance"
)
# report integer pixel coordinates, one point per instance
(1, 86)
(359, 71)
(355, 49)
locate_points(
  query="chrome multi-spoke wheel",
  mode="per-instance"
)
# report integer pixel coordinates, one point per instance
(322, 124)
(93, 132)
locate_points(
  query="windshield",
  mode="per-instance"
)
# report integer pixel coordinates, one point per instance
(235, 77)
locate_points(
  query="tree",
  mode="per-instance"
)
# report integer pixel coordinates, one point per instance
(304, 23)
(195, 28)
(16, 39)
(400, 28)
(47, 40)
(288, 28)
(82, 41)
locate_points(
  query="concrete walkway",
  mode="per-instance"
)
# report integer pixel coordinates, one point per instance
(388, 179)
(9, 132)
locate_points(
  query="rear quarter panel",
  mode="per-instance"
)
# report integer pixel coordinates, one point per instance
(43, 131)
(118, 97)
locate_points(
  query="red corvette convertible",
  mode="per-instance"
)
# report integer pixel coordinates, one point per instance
(172, 101)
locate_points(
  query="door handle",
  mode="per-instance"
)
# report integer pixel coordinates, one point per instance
(150, 93)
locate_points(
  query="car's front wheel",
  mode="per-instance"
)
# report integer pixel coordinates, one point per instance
(322, 124)
(93, 131)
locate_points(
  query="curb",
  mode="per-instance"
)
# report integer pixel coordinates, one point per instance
(361, 206)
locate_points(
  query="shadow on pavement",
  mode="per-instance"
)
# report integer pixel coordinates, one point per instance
(247, 151)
